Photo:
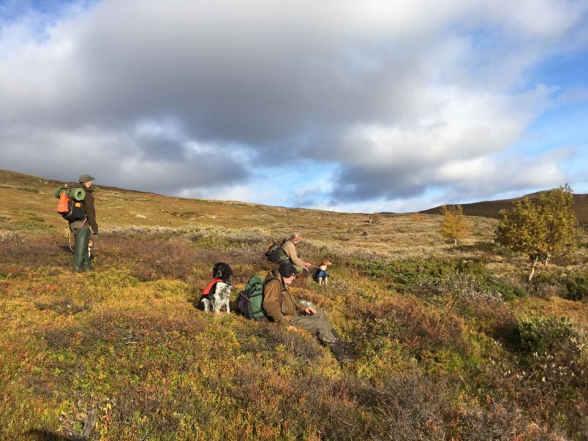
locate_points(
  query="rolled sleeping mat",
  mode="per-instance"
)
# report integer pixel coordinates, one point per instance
(77, 194)
(59, 191)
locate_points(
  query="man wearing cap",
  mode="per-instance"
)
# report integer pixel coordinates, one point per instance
(289, 247)
(84, 228)
(281, 307)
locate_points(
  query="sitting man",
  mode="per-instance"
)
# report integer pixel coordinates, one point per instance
(289, 247)
(282, 308)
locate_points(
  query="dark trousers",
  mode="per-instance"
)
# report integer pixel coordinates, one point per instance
(81, 254)
(317, 324)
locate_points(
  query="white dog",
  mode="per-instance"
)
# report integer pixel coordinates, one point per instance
(222, 297)
(218, 300)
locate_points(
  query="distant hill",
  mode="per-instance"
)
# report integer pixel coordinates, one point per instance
(492, 209)
(220, 212)
(28, 205)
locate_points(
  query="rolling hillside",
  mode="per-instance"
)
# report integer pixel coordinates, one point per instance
(442, 343)
(491, 209)
(29, 205)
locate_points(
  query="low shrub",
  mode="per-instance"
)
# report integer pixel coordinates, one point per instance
(406, 408)
(431, 277)
(262, 337)
(547, 284)
(418, 327)
(19, 254)
(66, 306)
(562, 284)
(576, 288)
(545, 334)
(552, 373)
(153, 257)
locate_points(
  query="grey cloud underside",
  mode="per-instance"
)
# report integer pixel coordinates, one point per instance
(156, 165)
(287, 83)
(258, 96)
(357, 184)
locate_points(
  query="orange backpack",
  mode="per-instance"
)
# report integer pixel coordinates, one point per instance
(63, 203)
(69, 204)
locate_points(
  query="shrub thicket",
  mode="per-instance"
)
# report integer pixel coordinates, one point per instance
(434, 276)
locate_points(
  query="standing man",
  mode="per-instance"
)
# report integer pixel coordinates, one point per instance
(83, 229)
(289, 248)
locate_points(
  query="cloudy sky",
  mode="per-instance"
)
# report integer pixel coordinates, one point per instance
(366, 106)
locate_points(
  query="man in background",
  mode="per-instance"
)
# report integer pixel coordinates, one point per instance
(289, 247)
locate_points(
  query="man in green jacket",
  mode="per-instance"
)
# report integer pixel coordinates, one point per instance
(83, 229)
(281, 307)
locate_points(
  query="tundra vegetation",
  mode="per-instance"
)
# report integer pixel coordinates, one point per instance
(445, 343)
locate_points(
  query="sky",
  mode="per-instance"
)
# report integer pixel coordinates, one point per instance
(379, 105)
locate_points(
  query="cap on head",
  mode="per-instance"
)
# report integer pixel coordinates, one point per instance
(86, 178)
(287, 269)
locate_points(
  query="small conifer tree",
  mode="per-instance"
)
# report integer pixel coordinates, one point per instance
(541, 227)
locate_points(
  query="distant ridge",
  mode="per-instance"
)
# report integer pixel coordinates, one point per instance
(10, 178)
(492, 208)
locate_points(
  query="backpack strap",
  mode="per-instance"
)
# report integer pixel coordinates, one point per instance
(206, 291)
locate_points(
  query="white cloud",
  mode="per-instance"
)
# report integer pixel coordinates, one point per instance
(453, 122)
(168, 95)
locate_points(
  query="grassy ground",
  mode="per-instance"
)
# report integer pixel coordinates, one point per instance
(444, 343)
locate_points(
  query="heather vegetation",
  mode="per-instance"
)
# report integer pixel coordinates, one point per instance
(444, 342)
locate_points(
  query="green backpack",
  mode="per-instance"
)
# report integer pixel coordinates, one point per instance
(250, 301)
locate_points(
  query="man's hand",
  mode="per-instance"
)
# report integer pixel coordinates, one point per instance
(309, 311)
(307, 265)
